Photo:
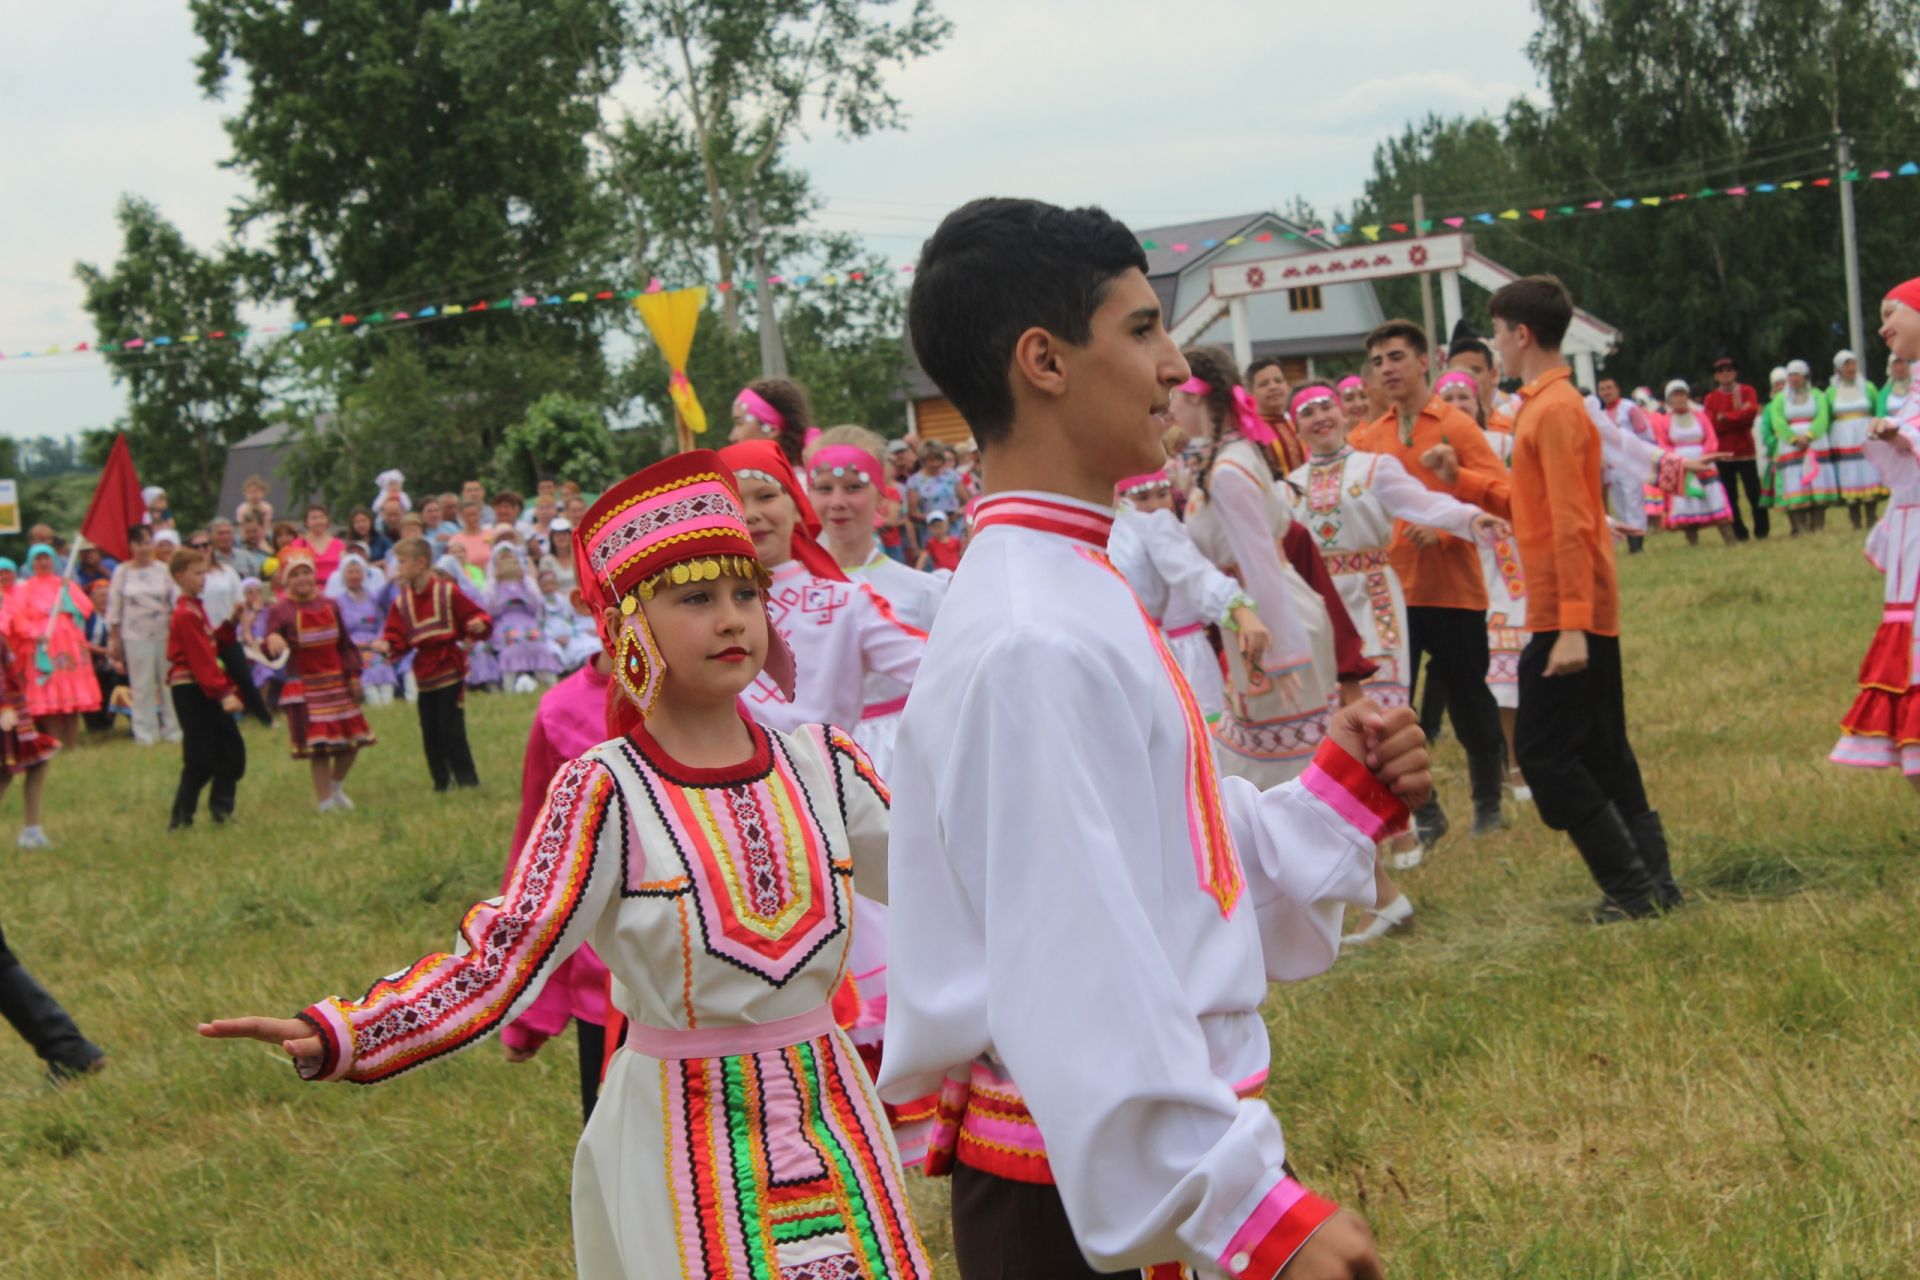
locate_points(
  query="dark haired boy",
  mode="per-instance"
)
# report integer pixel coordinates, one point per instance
(204, 701)
(1267, 380)
(430, 617)
(1571, 735)
(1446, 594)
(1085, 916)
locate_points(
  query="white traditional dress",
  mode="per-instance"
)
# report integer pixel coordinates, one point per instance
(839, 632)
(1262, 736)
(1506, 601)
(1086, 915)
(1352, 502)
(1802, 477)
(1850, 413)
(737, 1133)
(1882, 730)
(1627, 491)
(915, 598)
(1702, 501)
(1182, 592)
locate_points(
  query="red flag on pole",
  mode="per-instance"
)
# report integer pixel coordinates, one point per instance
(117, 505)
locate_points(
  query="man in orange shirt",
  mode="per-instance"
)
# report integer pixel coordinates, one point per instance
(1571, 736)
(1446, 596)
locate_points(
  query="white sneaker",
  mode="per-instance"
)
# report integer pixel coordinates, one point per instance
(33, 838)
(340, 800)
(1407, 859)
(1396, 915)
(330, 804)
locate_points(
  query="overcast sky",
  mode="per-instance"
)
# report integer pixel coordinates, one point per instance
(1160, 112)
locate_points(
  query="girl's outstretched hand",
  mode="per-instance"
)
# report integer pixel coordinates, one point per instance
(298, 1038)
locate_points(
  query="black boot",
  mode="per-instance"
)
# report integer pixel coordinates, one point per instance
(1488, 775)
(1636, 543)
(1430, 821)
(1614, 861)
(43, 1024)
(1650, 837)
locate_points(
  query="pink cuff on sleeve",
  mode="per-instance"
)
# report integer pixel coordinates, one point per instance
(1353, 792)
(1283, 1221)
(336, 1040)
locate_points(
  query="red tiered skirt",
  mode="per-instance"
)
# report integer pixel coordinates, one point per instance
(1882, 729)
(325, 720)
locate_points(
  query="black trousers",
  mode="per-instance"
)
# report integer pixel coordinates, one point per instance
(211, 750)
(1007, 1230)
(1733, 476)
(443, 732)
(239, 669)
(1571, 736)
(593, 1047)
(1454, 643)
(39, 1019)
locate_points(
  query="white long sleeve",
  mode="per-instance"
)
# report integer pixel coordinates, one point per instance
(1191, 578)
(888, 646)
(1405, 498)
(1622, 451)
(1240, 506)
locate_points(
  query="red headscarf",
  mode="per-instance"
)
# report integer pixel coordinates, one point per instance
(765, 457)
(1908, 293)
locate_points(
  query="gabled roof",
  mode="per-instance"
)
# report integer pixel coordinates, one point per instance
(1163, 260)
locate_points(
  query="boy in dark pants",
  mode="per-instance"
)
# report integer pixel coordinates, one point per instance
(1571, 735)
(42, 1023)
(204, 701)
(430, 616)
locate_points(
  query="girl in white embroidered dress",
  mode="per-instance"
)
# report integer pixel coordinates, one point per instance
(710, 862)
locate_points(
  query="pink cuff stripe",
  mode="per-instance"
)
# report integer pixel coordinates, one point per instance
(1283, 1221)
(336, 1040)
(1352, 792)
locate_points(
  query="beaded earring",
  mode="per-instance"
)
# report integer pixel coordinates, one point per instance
(637, 663)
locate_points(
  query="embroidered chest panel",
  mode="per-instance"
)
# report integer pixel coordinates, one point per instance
(435, 621)
(315, 626)
(756, 862)
(807, 602)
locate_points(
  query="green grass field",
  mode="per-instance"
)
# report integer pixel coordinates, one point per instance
(1731, 1092)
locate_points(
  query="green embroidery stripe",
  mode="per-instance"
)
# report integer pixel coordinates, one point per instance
(804, 1228)
(807, 1057)
(746, 1182)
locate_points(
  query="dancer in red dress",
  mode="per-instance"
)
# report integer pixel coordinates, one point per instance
(322, 700)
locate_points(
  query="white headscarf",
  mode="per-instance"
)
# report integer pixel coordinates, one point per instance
(337, 582)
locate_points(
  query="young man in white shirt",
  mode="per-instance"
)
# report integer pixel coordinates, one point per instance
(1086, 915)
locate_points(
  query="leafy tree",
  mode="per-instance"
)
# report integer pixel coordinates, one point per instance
(737, 80)
(186, 402)
(561, 438)
(398, 151)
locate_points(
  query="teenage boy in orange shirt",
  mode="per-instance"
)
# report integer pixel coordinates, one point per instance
(1571, 735)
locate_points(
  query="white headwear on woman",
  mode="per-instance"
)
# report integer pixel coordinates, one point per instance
(337, 582)
(152, 491)
(1840, 359)
(1800, 367)
(1778, 376)
(493, 562)
(1678, 384)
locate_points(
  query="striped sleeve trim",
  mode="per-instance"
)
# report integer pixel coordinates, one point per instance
(1354, 793)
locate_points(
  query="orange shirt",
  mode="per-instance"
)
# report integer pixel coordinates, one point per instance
(1447, 574)
(1559, 516)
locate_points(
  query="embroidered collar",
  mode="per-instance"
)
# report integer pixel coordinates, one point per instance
(752, 769)
(1047, 513)
(1341, 454)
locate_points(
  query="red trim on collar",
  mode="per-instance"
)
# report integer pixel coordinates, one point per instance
(752, 769)
(1066, 520)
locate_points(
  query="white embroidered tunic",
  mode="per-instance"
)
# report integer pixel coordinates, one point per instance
(737, 1133)
(915, 598)
(1084, 909)
(1352, 502)
(840, 632)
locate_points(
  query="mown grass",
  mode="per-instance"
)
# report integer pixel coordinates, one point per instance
(1505, 1093)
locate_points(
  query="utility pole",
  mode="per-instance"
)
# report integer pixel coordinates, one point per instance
(1849, 242)
(773, 352)
(1435, 341)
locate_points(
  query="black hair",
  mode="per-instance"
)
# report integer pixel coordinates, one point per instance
(1265, 362)
(1541, 303)
(1405, 330)
(789, 400)
(996, 268)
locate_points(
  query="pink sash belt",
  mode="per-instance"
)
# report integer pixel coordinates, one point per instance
(1191, 629)
(729, 1042)
(879, 709)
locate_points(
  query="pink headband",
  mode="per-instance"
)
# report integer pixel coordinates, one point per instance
(838, 459)
(757, 407)
(1310, 395)
(1252, 425)
(1151, 480)
(1349, 382)
(1460, 376)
